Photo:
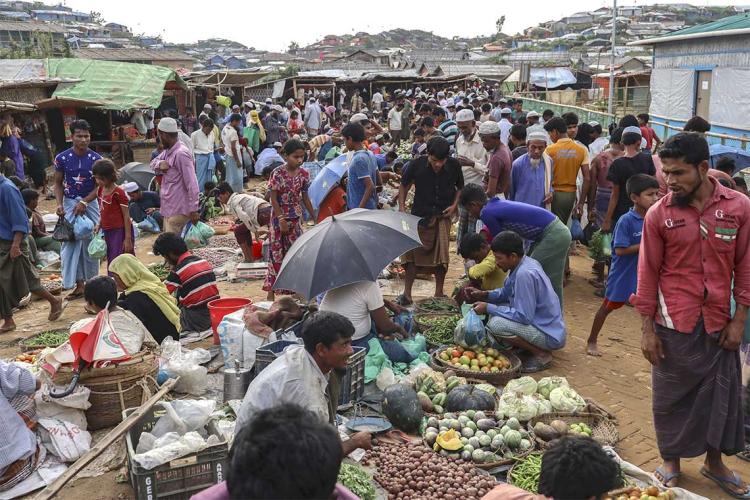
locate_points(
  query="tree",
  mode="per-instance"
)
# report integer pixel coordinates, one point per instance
(293, 47)
(499, 24)
(96, 17)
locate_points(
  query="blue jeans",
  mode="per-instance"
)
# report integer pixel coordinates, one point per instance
(395, 351)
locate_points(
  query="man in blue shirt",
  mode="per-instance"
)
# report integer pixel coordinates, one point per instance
(549, 238)
(622, 280)
(18, 276)
(524, 312)
(361, 186)
(268, 159)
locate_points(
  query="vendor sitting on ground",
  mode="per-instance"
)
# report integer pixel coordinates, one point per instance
(252, 214)
(44, 241)
(146, 296)
(143, 203)
(572, 467)
(524, 312)
(99, 293)
(307, 375)
(311, 465)
(484, 274)
(363, 304)
(192, 281)
(20, 454)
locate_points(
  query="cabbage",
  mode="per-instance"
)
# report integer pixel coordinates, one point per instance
(543, 406)
(523, 409)
(566, 399)
(526, 385)
(548, 384)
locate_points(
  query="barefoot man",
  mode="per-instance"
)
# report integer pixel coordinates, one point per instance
(695, 240)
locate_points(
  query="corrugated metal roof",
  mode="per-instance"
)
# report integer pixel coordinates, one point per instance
(476, 69)
(30, 26)
(132, 54)
(739, 21)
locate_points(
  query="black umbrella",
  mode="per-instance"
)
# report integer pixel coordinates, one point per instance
(137, 172)
(347, 248)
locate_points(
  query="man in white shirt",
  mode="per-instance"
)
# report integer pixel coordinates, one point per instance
(394, 121)
(203, 141)
(470, 153)
(505, 124)
(233, 159)
(599, 143)
(377, 102)
(363, 304)
(312, 117)
(305, 375)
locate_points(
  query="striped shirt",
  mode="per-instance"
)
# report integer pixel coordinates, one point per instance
(192, 281)
(449, 130)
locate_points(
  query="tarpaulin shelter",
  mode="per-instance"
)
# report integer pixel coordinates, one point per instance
(116, 85)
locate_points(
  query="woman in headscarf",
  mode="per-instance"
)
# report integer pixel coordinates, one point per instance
(146, 296)
(254, 132)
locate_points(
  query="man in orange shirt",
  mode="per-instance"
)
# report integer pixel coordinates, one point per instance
(568, 158)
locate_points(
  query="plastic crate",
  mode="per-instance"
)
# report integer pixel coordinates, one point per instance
(352, 383)
(181, 478)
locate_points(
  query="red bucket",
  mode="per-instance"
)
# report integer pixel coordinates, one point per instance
(219, 308)
(257, 250)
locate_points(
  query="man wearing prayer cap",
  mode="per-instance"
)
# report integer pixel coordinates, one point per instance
(505, 124)
(472, 157)
(531, 175)
(497, 179)
(532, 118)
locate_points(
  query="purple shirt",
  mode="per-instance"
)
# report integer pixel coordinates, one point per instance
(78, 178)
(179, 185)
(220, 492)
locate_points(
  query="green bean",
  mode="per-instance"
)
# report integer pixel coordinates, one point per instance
(50, 338)
(357, 480)
(439, 329)
(525, 473)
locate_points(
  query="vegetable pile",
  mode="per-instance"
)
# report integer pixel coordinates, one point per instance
(650, 493)
(525, 473)
(50, 338)
(357, 481)
(433, 387)
(26, 358)
(404, 150)
(486, 360)
(214, 256)
(558, 428)
(160, 270)
(477, 437)
(439, 329)
(412, 471)
(524, 398)
(435, 305)
(223, 241)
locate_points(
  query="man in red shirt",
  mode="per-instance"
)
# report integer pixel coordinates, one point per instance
(695, 241)
(649, 134)
(192, 281)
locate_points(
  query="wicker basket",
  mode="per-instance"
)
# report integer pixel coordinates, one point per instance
(496, 379)
(510, 471)
(499, 463)
(220, 230)
(420, 306)
(598, 409)
(28, 344)
(115, 388)
(603, 429)
(424, 327)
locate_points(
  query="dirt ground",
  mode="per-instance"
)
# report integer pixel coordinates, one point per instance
(619, 380)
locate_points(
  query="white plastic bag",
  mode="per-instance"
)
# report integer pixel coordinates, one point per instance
(186, 364)
(173, 446)
(183, 416)
(69, 408)
(64, 439)
(47, 258)
(237, 342)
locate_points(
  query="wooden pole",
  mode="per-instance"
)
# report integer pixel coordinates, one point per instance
(51, 490)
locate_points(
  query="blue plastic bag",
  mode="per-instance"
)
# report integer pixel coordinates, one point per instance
(98, 247)
(576, 231)
(83, 227)
(470, 331)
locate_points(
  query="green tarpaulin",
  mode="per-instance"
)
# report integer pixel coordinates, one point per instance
(117, 85)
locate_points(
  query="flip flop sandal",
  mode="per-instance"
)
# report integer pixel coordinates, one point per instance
(724, 482)
(55, 316)
(74, 296)
(667, 476)
(533, 365)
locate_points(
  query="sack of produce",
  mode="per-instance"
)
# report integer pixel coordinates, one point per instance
(98, 247)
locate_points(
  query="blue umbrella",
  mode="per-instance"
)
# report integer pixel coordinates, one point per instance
(348, 248)
(326, 180)
(740, 156)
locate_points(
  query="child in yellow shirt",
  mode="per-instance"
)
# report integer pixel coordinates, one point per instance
(485, 274)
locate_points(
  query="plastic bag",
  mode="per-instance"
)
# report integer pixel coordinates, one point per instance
(470, 331)
(63, 230)
(69, 408)
(576, 231)
(237, 342)
(64, 439)
(415, 345)
(98, 247)
(196, 235)
(607, 244)
(47, 258)
(171, 447)
(183, 416)
(83, 227)
(148, 225)
(588, 232)
(186, 365)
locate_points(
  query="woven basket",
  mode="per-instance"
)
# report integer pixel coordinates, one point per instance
(499, 463)
(603, 429)
(420, 306)
(510, 471)
(28, 344)
(496, 379)
(472, 382)
(598, 409)
(115, 388)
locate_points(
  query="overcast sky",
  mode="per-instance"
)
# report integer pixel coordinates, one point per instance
(271, 25)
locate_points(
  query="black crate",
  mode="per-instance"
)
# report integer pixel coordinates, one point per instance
(181, 478)
(352, 383)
